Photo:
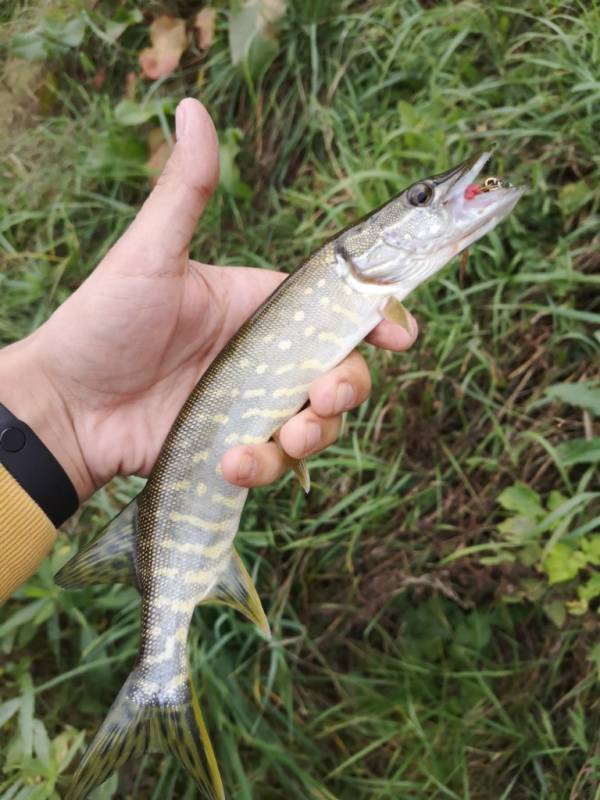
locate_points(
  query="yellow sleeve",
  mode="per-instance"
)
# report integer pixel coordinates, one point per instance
(26, 535)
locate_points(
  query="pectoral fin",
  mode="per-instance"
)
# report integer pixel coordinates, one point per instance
(109, 558)
(235, 588)
(395, 312)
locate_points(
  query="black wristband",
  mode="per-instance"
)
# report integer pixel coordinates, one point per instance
(34, 467)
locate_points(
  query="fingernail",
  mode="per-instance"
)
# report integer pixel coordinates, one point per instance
(180, 121)
(312, 436)
(246, 467)
(344, 397)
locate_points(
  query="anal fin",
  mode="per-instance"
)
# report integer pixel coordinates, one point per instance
(109, 558)
(236, 588)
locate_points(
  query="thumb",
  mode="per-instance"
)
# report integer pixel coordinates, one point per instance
(162, 231)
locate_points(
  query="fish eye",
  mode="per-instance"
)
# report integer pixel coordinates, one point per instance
(420, 194)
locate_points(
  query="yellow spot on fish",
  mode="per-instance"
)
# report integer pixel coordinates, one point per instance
(235, 392)
(329, 336)
(181, 486)
(228, 502)
(248, 439)
(285, 368)
(155, 630)
(175, 683)
(291, 391)
(179, 637)
(346, 312)
(254, 393)
(285, 344)
(262, 368)
(312, 363)
(298, 316)
(167, 572)
(212, 551)
(309, 330)
(201, 455)
(221, 419)
(244, 363)
(268, 338)
(200, 416)
(269, 413)
(324, 301)
(198, 522)
(148, 687)
(347, 289)
(175, 605)
(199, 576)
(201, 489)
(321, 283)
(232, 438)
(308, 291)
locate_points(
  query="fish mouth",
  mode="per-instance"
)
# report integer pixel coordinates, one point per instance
(478, 205)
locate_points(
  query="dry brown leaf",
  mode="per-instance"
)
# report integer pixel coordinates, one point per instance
(99, 78)
(168, 38)
(160, 150)
(205, 27)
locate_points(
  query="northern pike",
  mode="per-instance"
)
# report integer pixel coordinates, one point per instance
(174, 542)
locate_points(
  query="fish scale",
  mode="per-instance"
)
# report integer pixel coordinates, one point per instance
(175, 542)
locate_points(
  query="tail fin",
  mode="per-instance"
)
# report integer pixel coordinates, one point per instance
(135, 724)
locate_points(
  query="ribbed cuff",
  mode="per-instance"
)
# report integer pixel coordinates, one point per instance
(26, 535)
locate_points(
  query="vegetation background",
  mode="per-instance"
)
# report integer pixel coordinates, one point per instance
(434, 600)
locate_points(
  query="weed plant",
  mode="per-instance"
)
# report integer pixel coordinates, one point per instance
(434, 600)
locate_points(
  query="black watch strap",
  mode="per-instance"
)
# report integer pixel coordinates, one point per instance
(34, 467)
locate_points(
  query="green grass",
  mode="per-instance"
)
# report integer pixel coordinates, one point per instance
(414, 651)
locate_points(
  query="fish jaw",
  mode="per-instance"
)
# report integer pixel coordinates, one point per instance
(402, 244)
(474, 214)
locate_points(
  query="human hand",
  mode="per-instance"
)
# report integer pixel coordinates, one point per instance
(102, 381)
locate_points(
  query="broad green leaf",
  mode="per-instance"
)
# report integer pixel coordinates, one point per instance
(590, 588)
(26, 719)
(41, 742)
(556, 612)
(580, 451)
(253, 33)
(120, 20)
(594, 657)
(52, 38)
(590, 546)
(517, 529)
(22, 616)
(583, 395)
(230, 178)
(128, 112)
(9, 709)
(563, 563)
(522, 499)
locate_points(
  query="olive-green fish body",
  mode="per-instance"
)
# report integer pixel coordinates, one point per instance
(175, 542)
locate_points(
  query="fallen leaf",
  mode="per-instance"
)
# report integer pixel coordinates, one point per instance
(168, 38)
(160, 150)
(99, 78)
(205, 27)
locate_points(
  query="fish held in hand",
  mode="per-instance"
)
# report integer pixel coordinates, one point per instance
(175, 541)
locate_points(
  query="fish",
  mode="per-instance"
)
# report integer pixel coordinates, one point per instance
(175, 541)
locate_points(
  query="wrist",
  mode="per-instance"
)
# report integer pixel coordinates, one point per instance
(27, 391)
